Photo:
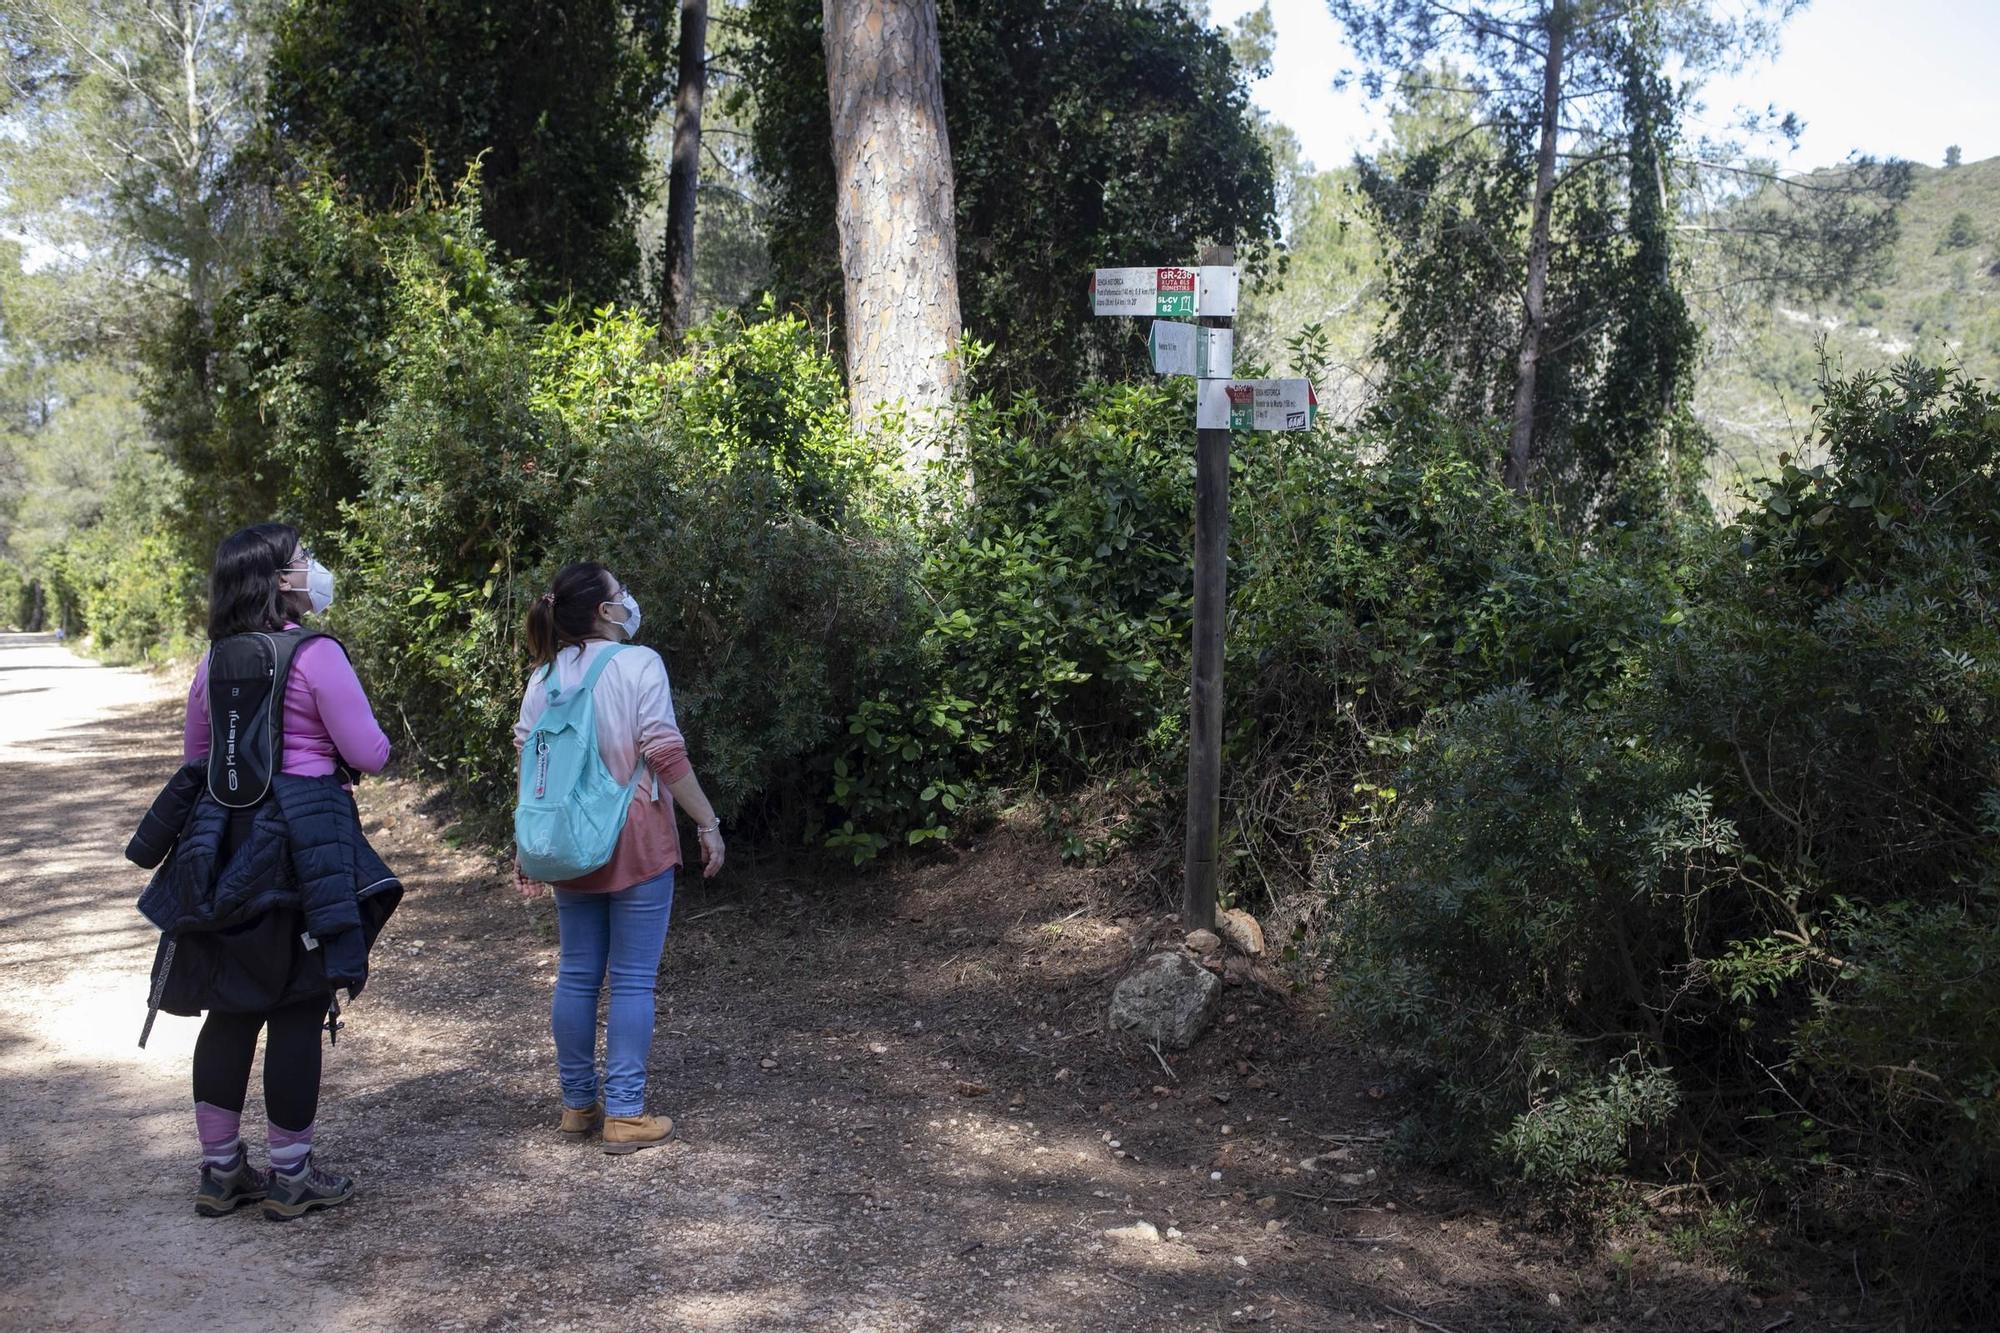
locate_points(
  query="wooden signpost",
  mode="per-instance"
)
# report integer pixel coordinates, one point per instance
(1201, 868)
(1205, 350)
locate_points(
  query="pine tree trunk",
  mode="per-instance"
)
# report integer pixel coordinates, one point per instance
(893, 203)
(684, 171)
(1520, 444)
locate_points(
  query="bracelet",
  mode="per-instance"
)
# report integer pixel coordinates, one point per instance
(716, 827)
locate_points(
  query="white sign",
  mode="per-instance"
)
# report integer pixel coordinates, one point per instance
(1142, 291)
(1215, 290)
(1183, 349)
(1173, 347)
(1255, 405)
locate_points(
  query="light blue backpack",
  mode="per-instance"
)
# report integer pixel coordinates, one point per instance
(569, 810)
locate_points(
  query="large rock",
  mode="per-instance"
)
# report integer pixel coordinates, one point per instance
(1242, 931)
(1168, 1000)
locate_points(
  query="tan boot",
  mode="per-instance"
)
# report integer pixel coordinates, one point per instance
(578, 1124)
(630, 1133)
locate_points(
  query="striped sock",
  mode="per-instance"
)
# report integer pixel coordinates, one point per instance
(291, 1149)
(221, 1133)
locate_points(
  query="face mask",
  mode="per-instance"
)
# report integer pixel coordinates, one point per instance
(319, 586)
(632, 617)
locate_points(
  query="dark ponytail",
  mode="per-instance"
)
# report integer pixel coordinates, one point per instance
(566, 615)
(243, 595)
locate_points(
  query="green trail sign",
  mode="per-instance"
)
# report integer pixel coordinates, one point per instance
(1143, 291)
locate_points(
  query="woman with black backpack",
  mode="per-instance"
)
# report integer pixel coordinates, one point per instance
(276, 723)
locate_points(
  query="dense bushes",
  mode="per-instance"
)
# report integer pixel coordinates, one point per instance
(721, 482)
(1744, 896)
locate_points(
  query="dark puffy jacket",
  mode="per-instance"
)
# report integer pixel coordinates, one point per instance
(280, 908)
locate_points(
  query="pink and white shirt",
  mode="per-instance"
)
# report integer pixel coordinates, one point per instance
(635, 724)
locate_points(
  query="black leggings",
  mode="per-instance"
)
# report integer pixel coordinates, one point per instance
(228, 1043)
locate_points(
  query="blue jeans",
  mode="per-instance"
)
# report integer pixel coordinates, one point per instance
(623, 933)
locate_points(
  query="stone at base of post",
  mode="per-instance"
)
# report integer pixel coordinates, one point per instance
(1168, 1001)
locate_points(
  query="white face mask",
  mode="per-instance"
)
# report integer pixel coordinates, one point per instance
(319, 585)
(632, 617)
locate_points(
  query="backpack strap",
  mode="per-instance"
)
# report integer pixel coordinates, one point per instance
(597, 667)
(289, 643)
(588, 682)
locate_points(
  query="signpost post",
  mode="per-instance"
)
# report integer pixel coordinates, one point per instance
(1201, 879)
(1205, 350)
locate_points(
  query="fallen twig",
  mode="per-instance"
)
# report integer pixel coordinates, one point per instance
(726, 907)
(1778, 1323)
(1416, 1319)
(1154, 1047)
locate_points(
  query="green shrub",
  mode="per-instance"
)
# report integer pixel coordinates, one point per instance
(1731, 888)
(760, 535)
(722, 484)
(1504, 939)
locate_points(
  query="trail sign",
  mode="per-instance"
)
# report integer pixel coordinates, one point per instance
(1215, 290)
(1273, 405)
(1183, 349)
(1143, 291)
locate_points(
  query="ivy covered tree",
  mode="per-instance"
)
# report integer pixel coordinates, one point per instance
(553, 98)
(1081, 136)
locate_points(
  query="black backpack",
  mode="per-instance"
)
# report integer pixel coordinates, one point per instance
(247, 678)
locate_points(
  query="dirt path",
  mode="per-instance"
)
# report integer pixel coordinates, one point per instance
(895, 1104)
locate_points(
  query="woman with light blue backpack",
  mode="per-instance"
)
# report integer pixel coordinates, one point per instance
(602, 765)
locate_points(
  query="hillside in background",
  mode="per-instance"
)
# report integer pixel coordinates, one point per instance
(1939, 299)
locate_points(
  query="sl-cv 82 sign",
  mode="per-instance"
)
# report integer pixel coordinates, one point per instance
(1161, 292)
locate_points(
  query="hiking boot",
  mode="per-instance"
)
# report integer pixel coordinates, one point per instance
(630, 1133)
(294, 1196)
(577, 1124)
(222, 1191)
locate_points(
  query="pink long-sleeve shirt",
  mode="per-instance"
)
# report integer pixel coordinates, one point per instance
(327, 717)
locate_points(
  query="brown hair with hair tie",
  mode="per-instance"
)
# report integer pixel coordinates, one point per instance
(566, 615)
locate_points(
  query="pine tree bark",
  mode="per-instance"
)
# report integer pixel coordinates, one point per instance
(1520, 444)
(893, 205)
(684, 171)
